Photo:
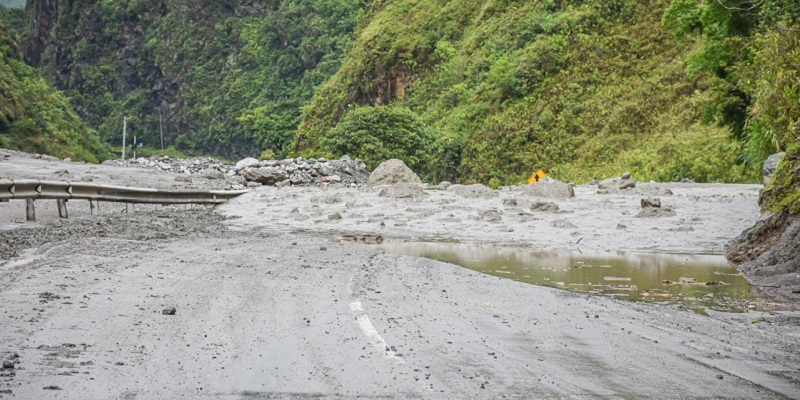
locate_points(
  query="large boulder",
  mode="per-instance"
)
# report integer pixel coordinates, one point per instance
(550, 189)
(391, 172)
(248, 162)
(264, 175)
(771, 164)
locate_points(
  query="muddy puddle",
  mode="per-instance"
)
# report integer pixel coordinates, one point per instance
(697, 281)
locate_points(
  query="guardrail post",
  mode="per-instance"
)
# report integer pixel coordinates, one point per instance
(62, 208)
(130, 208)
(30, 211)
(91, 207)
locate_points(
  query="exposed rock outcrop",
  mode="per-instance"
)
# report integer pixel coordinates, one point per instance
(769, 253)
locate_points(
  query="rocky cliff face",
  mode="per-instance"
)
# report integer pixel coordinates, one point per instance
(225, 77)
(100, 58)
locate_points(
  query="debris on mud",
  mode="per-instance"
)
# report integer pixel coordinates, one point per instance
(139, 226)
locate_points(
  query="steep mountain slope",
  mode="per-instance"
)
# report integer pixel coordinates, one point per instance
(582, 89)
(226, 77)
(36, 118)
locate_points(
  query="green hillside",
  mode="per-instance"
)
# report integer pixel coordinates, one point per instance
(462, 89)
(221, 77)
(36, 118)
(581, 89)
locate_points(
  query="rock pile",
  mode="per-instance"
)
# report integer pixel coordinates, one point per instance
(194, 166)
(250, 172)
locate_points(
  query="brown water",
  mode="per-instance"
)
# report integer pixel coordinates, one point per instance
(698, 281)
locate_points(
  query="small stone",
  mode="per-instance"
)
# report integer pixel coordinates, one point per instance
(719, 376)
(8, 364)
(169, 311)
(544, 206)
(490, 215)
(120, 362)
(51, 387)
(626, 175)
(323, 248)
(510, 202)
(335, 217)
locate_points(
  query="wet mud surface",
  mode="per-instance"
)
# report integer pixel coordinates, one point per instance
(695, 281)
(239, 305)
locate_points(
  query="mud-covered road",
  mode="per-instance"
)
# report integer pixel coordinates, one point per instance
(273, 313)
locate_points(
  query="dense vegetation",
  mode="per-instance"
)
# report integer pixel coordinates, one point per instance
(223, 77)
(34, 117)
(461, 89)
(581, 89)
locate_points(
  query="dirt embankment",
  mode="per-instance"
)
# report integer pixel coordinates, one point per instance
(769, 252)
(769, 255)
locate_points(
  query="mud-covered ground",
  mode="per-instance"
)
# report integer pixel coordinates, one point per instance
(270, 304)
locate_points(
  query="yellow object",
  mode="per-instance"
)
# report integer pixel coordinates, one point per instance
(538, 176)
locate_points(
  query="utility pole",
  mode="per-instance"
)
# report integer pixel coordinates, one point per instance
(161, 128)
(135, 145)
(124, 132)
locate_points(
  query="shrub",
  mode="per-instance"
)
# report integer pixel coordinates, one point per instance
(378, 133)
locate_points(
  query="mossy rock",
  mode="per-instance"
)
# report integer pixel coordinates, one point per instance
(783, 191)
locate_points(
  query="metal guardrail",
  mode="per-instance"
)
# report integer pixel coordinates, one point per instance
(31, 190)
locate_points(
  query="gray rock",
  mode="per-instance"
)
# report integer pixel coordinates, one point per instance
(248, 162)
(300, 178)
(8, 364)
(563, 223)
(169, 311)
(391, 172)
(264, 175)
(282, 184)
(510, 202)
(444, 185)
(549, 188)
(490, 215)
(625, 184)
(236, 180)
(210, 173)
(770, 255)
(626, 175)
(402, 191)
(651, 212)
(473, 191)
(607, 186)
(653, 202)
(335, 217)
(770, 165)
(544, 206)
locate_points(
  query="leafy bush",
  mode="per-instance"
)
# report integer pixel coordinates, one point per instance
(376, 134)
